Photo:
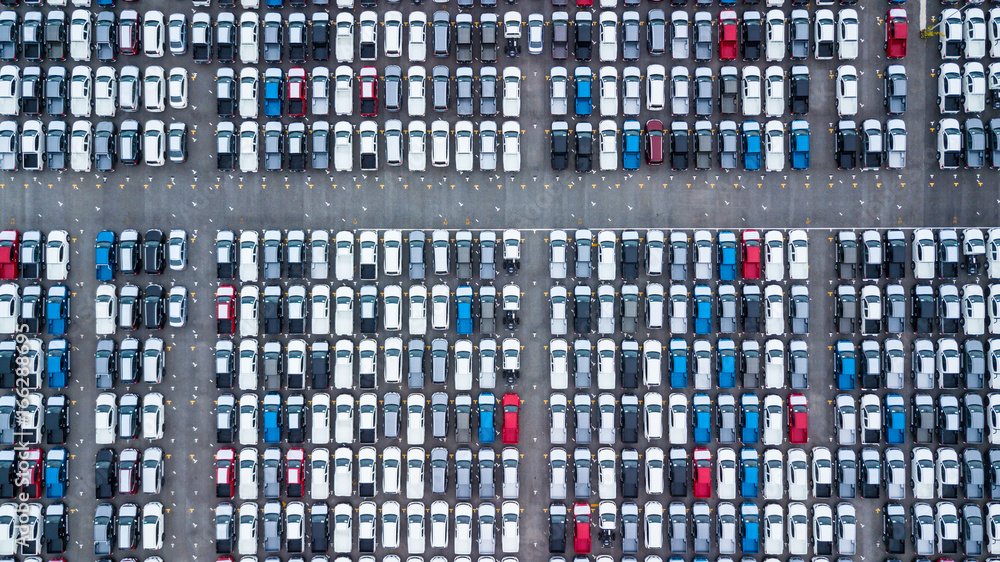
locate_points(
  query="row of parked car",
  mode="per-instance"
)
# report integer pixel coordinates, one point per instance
(128, 417)
(34, 310)
(287, 418)
(128, 527)
(34, 255)
(966, 33)
(942, 309)
(284, 528)
(87, 92)
(26, 365)
(128, 472)
(35, 421)
(85, 146)
(286, 476)
(968, 143)
(938, 252)
(132, 252)
(950, 366)
(40, 529)
(944, 422)
(290, 254)
(297, 149)
(131, 362)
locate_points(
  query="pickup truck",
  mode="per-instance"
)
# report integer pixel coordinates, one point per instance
(55, 146)
(272, 92)
(226, 146)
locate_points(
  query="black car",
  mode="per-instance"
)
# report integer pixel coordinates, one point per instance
(923, 311)
(463, 39)
(798, 93)
(584, 147)
(320, 38)
(105, 147)
(319, 365)
(751, 28)
(582, 298)
(274, 310)
(560, 145)
(993, 474)
(55, 529)
(583, 46)
(319, 527)
(630, 257)
(296, 422)
(677, 473)
(225, 257)
(225, 94)
(56, 420)
(629, 365)
(923, 420)
(680, 145)
(894, 250)
(106, 473)
(630, 473)
(152, 307)
(152, 251)
(8, 473)
(847, 146)
(751, 309)
(8, 365)
(557, 528)
(225, 421)
(894, 529)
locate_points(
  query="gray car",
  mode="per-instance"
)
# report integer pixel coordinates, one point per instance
(973, 473)
(440, 88)
(798, 364)
(8, 425)
(798, 35)
(463, 418)
(582, 416)
(973, 363)
(702, 36)
(415, 363)
(441, 34)
(701, 527)
(272, 471)
(439, 361)
(630, 527)
(726, 418)
(463, 89)
(798, 309)
(487, 471)
(439, 415)
(463, 474)
(677, 527)
(583, 363)
(630, 36)
(439, 470)
(391, 404)
(973, 529)
(581, 473)
(418, 266)
(105, 526)
(274, 143)
(273, 526)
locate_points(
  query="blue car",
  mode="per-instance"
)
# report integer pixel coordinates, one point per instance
(678, 363)
(106, 256)
(701, 418)
(583, 103)
(725, 362)
(895, 419)
(799, 144)
(702, 309)
(750, 528)
(272, 418)
(57, 310)
(727, 255)
(750, 418)
(631, 145)
(751, 145)
(463, 305)
(273, 82)
(56, 473)
(845, 365)
(749, 473)
(57, 363)
(487, 409)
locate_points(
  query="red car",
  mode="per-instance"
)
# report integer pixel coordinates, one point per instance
(728, 35)
(511, 403)
(654, 142)
(29, 473)
(9, 246)
(581, 527)
(369, 91)
(895, 33)
(128, 33)
(584, 4)
(295, 462)
(225, 309)
(297, 92)
(225, 472)
(798, 419)
(702, 469)
(751, 254)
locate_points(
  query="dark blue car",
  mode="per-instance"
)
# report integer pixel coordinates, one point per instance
(487, 408)
(56, 473)
(750, 528)
(105, 256)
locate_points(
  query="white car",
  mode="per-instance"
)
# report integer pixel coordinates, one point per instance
(608, 78)
(393, 21)
(511, 132)
(248, 480)
(80, 147)
(80, 90)
(847, 90)
(440, 141)
(608, 135)
(106, 419)
(774, 262)
(390, 525)
(106, 313)
(774, 91)
(848, 38)
(57, 255)
(677, 419)
(798, 254)
(511, 91)
(608, 37)
(415, 430)
(924, 256)
(343, 91)
(105, 92)
(152, 416)
(440, 307)
(751, 93)
(680, 91)
(606, 255)
(950, 40)
(416, 46)
(80, 36)
(631, 88)
(248, 419)
(320, 423)
(652, 404)
(249, 38)
(154, 89)
(154, 34)
(774, 36)
(798, 475)
(510, 535)
(774, 421)
(558, 91)
(343, 424)
(415, 473)
(248, 93)
(974, 33)
(993, 308)
(247, 542)
(973, 87)
(249, 147)
(774, 310)
(774, 146)
(656, 82)
(344, 38)
(973, 310)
